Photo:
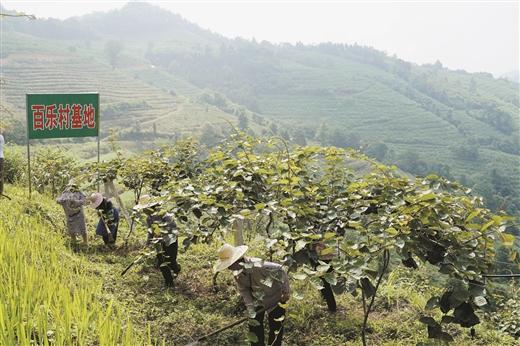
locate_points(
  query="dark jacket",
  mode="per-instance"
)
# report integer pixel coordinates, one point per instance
(110, 218)
(161, 228)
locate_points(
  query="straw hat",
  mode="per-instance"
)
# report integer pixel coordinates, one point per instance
(95, 199)
(146, 202)
(228, 255)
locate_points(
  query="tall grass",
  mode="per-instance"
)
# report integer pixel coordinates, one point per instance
(46, 295)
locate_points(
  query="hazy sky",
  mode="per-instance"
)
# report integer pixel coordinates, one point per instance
(471, 35)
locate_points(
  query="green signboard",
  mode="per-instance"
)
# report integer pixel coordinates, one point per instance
(62, 115)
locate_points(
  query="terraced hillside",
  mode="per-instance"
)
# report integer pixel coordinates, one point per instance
(31, 65)
(427, 110)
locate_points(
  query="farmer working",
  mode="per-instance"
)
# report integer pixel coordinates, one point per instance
(162, 235)
(72, 201)
(108, 218)
(262, 285)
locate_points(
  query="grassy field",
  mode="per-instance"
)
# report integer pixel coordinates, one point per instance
(49, 295)
(55, 295)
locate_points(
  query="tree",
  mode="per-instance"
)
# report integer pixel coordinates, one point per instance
(377, 150)
(502, 184)
(340, 139)
(363, 220)
(284, 134)
(209, 136)
(273, 128)
(298, 137)
(403, 69)
(466, 152)
(472, 85)
(322, 134)
(113, 50)
(337, 138)
(463, 180)
(52, 170)
(243, 122)
(411, 162)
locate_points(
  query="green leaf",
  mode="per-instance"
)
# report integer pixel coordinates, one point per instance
(270, 243)
(316, 282)
(322, 268)
(260, 206)
(326, 251)
(487, 225)
(476, 288)
(448, 319)
(284, 305)
(297, 295)
(300, 244)
(197, 212)
(330, 278)
(435, 332)
(458, 296)
(391, 231)
(444, 302)
(252, 338)
(409, 262)
(299, 276)
(329, 235)
(427, 197)
(472, 215)
(465, 316)
(268, 281)
(428, 320)
(507, 239)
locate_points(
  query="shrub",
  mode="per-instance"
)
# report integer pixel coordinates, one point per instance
(15, 166)
(52, 170)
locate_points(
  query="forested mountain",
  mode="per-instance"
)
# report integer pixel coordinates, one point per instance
(159, 73)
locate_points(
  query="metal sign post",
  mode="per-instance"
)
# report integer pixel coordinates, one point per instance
(61, 116)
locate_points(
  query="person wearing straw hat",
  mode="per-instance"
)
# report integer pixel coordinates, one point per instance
(108, 218)
(162, 235)
(264, 286)
(72, 200)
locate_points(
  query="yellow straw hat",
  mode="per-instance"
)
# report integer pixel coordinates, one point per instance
(227, 255)
(145, 202)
